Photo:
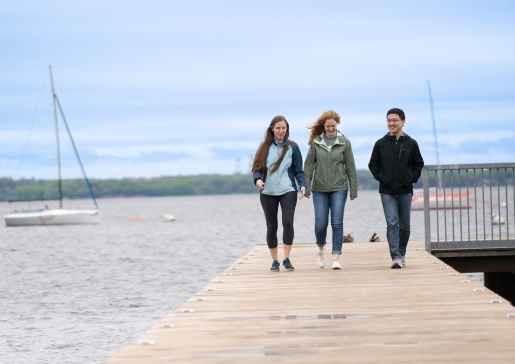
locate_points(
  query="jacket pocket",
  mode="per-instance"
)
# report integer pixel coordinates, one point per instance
(317, 179)
(404, 155)
(285, 183)
(381, 178)
(340, 178)
(412, 174)
(387, 180)
(406, 178)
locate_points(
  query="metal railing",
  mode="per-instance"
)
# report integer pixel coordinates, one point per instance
(466, 219)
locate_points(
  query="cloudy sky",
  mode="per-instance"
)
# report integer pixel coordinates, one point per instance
(187, 87)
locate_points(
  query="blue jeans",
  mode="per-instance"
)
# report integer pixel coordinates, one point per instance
(397, 211)
(323, 202)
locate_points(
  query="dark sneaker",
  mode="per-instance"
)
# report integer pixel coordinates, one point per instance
(275, 266)
(287, 264)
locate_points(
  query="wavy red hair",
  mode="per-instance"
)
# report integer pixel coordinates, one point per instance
(318, 126)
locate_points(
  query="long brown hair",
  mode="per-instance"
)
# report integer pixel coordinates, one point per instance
(318, 126)
(259, 163)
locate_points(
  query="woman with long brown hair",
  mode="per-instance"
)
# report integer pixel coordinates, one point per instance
(330, 170)
(278, 162)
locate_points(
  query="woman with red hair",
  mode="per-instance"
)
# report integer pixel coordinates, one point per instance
(330, 171)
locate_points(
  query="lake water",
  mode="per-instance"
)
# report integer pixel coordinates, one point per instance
(77, 293)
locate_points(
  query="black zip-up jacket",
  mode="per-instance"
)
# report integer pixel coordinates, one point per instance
(396, 164)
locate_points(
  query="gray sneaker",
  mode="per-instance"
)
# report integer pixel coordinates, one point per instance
(397, 263)
(321, 259)
(403, 261)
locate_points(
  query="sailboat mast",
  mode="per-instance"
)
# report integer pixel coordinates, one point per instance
(434, 124)
(57, 137)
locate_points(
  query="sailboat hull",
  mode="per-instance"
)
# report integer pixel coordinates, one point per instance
(53, 217)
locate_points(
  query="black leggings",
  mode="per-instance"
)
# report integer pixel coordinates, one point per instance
(270, 206)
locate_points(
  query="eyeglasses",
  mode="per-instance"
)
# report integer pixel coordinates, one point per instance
(393, 120)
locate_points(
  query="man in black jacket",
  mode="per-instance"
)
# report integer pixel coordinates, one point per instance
(396, 163)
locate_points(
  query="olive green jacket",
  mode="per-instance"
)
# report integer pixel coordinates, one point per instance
(328, 168)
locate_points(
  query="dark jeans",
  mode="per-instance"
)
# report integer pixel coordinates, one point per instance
(270, 205)
(323, 202)
(397, 211)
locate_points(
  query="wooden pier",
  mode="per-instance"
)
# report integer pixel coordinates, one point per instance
(363, 313)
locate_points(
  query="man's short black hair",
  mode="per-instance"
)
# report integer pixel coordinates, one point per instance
(396, 111)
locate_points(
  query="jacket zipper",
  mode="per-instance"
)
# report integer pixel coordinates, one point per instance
(330, 171)
(396, 174)
(400, 153)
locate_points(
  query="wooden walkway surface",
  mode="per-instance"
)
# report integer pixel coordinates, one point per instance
(363, 313)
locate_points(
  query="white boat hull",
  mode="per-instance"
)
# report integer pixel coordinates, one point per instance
(447, 201)
(53, 217)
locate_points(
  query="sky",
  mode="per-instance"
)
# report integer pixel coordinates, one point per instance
(162, 88)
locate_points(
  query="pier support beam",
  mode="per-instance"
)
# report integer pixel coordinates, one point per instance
(502, 283)
(470, 262)
(498, 266)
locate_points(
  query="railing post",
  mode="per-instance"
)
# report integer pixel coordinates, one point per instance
(427, 211)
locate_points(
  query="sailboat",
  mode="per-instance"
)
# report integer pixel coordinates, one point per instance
(58, 216)
(441, 201)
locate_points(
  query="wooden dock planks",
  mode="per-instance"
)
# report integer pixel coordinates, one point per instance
(363, 313)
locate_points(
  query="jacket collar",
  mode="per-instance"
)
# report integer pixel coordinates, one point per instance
(279, 144)
(391, 137)
(321, 141)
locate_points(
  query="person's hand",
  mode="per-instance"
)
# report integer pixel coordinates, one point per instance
(303, 190)
(353, 198)
(260, 184)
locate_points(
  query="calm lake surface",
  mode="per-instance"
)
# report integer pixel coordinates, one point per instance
(77, 293)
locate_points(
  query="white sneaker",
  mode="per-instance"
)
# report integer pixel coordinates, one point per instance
(336, 265)
(397, 263)
(403, 261)
(321, 259)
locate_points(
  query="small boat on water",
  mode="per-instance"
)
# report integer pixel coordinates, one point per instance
(53, 217)
(445, 201)
(169, 217)
(58, 216)
(496, 220)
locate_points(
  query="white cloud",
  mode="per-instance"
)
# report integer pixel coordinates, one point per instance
(198, 82)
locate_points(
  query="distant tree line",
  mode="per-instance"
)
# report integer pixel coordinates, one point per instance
(206, 184)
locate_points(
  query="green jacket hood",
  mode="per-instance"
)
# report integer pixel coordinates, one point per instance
(321, 141)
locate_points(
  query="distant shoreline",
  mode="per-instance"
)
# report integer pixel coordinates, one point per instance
(204, 184)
